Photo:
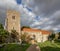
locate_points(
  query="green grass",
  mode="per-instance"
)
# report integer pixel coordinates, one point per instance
(46, 46)
(49, 46)
(14, 47)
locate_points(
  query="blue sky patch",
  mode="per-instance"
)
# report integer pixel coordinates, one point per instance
(18, 1)
(29, 9)
(37, 18)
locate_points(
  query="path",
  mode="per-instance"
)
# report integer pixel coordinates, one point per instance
(33, 47)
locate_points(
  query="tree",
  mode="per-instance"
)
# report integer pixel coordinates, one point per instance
(52, 37)
(23, 37)
(59, 35)
(26, 38)
(14, 35)
(3, 34)
(24, 27)
(1, 26)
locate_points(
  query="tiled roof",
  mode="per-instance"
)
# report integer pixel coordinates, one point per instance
(35, 30)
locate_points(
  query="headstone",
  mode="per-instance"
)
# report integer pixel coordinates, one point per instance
(34, 47)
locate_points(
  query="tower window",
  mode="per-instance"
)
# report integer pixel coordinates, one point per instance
(13, 17)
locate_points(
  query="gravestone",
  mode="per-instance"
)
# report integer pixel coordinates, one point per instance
(34, 47)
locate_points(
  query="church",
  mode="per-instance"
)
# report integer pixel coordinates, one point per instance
(12, 21)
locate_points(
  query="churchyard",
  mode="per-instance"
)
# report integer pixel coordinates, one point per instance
(46, 46)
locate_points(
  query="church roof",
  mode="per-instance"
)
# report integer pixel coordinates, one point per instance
(36, 30)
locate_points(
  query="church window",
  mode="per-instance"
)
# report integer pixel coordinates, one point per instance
(13, 17)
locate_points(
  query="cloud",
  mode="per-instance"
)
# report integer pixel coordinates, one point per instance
(49, 12)
(44, 14)
(43, 7)
(52, 22)
(4, 5)
(26, 15)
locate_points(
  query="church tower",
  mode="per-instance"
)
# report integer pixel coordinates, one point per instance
(12, 21)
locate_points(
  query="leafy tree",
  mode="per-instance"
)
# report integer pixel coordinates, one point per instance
(14, 35)
(23, 37)
(26, 38)
(52, 37)
(59, 35)
(1, 26)
(3, 34)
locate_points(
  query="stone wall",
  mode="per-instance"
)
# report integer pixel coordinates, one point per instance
(12, 21)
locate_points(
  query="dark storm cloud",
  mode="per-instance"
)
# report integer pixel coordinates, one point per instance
(4, 6)
(46, 7)
(55, 18)
(24, 12)
(2, 15)
(47, 10)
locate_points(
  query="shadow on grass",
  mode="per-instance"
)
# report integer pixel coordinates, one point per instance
(50, 48)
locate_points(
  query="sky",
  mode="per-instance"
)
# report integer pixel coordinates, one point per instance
(39, 14)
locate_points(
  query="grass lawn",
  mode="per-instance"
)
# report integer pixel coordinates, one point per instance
(49, 46)
(14, 47)
(46, 46)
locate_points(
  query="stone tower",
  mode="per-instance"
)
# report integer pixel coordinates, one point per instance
(12, 21)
